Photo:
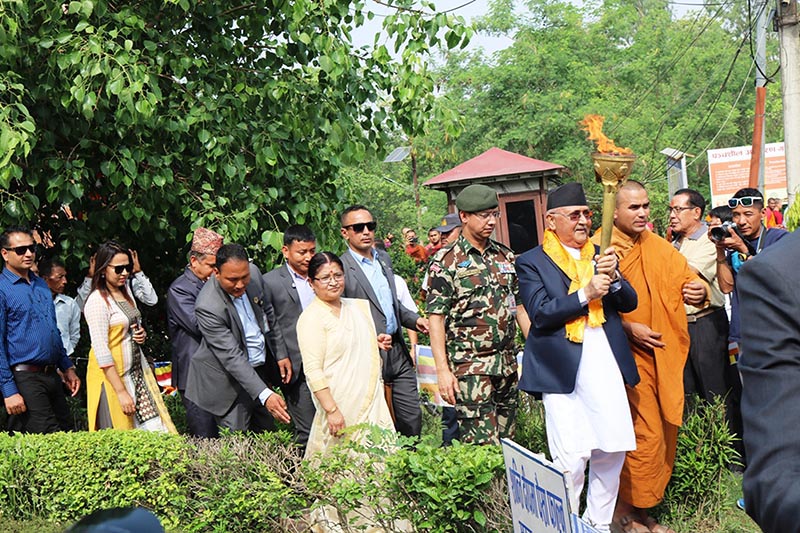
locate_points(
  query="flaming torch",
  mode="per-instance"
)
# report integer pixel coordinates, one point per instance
(612, 166)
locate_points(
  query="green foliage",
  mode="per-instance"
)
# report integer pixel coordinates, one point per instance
(436, 489)
(792, 216)
(705, 449)
(531, 431)
(66, 475)
(252, 487)
(446, 486)
(660, 81)
(243, 483)
(149, 119)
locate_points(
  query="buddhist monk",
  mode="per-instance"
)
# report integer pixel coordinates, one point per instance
(659, 338)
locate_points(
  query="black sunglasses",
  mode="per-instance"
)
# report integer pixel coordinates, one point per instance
(119, 268)
(22, 250)
(359, 227)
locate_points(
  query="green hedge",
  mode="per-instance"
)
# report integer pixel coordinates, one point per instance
(252, 483)
(243, 482)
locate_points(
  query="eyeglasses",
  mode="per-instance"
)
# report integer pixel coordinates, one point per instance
(333, 277)
(678, 210)
(744, 201)
(21, 250)
(486, 214)
(359, 227)
(119, 268)
(575, 216)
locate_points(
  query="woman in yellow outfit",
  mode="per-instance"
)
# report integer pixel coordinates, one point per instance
(122, 391)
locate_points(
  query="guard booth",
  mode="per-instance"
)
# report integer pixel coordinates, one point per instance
(521, 184)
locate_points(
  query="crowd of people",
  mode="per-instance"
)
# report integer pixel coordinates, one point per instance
(616, 340)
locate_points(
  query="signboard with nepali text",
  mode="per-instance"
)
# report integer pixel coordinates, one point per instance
(539, 494)
(729, 171)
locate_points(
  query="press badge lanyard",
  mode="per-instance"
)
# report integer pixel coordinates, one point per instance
(737, 260)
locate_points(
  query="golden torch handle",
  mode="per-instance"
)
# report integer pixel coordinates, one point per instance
(611, 171)
(609, 205)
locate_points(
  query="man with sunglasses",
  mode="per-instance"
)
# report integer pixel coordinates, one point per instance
(369, 276)
(31, 350)
(744, 242)
(474, 306)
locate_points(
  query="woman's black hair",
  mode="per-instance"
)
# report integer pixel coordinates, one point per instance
(320, 260)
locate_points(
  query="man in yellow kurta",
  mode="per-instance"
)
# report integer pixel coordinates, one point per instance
(659, 338)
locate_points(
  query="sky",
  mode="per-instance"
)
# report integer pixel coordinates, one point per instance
(469, 10)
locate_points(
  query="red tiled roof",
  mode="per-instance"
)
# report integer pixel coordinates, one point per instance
(493, 162)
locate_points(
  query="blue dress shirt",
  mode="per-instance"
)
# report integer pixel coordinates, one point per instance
(374, 272)
(28, 330)
(304, 290)
(253, 337)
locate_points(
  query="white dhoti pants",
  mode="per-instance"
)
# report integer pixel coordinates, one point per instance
(604, 470)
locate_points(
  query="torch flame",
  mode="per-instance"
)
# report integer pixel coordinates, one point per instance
(594, 125)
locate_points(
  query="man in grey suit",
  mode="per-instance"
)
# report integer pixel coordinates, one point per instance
(369, 276)
(229, 372)
(770, 367)
(288, 292)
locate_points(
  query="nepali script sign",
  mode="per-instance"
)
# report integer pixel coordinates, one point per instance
(729, 171)
(539, 494)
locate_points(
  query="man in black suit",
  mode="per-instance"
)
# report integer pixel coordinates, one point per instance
(577, 357)
(770, 366)
(230, 372)
(288, 291)
(369, 276)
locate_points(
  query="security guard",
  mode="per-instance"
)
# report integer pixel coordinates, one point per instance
(472, 306)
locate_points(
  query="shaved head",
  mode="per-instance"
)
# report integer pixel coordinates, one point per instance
(630, 186)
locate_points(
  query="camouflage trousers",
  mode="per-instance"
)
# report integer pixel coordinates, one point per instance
(486, 407)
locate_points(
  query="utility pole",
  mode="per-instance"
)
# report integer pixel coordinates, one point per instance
(757, 154)
(790, 86)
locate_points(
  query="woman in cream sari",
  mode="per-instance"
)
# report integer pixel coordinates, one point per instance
(340, 358)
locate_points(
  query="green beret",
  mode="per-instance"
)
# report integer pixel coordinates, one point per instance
(476, 198)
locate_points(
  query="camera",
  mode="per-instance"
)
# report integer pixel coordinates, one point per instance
(414, 240)
(721, 232)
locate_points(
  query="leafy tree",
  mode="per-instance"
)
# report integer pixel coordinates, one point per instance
(661, 81)
(144, 120)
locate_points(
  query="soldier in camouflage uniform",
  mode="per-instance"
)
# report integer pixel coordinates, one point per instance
(472, 304)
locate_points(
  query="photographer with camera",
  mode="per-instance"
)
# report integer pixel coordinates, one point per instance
(413, 248)
(708, 372)
(737, 242)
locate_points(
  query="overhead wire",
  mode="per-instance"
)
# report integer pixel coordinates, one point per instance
(685, 145)
(727, 118)
(651, 86)
(768, 79)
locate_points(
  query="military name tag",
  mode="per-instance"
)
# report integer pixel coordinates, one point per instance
(468, 272)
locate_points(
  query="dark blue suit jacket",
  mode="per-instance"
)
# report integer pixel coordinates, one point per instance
(550, 362)
(184, 334)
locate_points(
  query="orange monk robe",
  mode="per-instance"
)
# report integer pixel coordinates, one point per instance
(658, 272)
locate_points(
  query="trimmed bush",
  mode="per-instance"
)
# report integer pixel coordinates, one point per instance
(64, 476)
(249, 483)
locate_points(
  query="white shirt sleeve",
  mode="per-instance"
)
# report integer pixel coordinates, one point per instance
(143, 290)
